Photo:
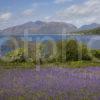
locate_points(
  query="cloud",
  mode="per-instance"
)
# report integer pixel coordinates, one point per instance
(28, 12)
(84, 13)
(61, 1)
(47, 18)
(5, 16)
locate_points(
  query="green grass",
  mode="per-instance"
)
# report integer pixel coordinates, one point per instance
(71, 64)
(23, 65)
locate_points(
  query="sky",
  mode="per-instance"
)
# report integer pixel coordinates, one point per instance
(77, 12)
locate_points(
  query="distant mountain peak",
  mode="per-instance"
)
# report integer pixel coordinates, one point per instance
(89, 26)
(38, 21)
(94, 24)
(29, 22)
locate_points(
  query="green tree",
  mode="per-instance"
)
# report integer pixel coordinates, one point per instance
(72, 52)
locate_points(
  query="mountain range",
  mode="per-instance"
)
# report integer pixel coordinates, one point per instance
(40, 27)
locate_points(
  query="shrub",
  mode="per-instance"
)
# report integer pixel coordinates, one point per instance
(16, 55)
(72, 50)
(85, 53)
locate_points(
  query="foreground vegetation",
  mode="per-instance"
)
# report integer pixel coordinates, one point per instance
(69, 53)
(50, 84)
